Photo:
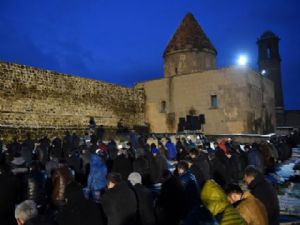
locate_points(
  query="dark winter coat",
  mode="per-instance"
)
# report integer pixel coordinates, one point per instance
(141, 165)
(123, 166)
(78, 210)
(39, 220)
(220, 154)
(67, 144)
(264, 191)
(171, 202)
(75, 163)
(256, 159)
(14, 148)
(145, 205)
(42, 154)
(60, 179)
(57, 147)
(191, 190)
(120, 205)
(236, 166)
(201, 169)
(158, 165)
(51, 166)
(112, 150)
(26, 153)
(9, 195)
(36, 187)
(219, 172)
(199, 215)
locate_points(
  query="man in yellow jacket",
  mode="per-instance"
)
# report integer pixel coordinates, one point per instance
(250, 208)
(215, 200)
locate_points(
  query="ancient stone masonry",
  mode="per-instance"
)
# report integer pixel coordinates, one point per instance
(36, 98)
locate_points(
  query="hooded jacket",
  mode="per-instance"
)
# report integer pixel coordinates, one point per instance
(98, 172)
(171, 150)
(214, 198)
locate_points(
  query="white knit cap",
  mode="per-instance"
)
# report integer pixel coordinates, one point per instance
(135, 178)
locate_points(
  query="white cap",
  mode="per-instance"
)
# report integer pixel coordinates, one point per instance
(135, 178)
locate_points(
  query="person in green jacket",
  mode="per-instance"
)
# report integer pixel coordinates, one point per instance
(215, 199)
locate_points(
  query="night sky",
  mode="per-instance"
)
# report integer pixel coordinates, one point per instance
(122, 41)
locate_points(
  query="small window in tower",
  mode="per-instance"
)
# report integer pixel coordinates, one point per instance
(176, 70)
(213, 101)
(163, 107)
(268, 53)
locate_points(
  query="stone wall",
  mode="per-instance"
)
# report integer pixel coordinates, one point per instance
(34, 98)
(186, 62)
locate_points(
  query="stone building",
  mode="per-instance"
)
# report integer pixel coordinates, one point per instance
(193, 95)
(227, 100)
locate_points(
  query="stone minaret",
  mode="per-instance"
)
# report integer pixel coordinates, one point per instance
(269, 65)
(189, 50)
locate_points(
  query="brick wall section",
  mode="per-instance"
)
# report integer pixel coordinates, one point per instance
(36, 98)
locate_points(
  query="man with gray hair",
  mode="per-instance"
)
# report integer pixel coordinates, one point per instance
(144, 199)
(25, 211)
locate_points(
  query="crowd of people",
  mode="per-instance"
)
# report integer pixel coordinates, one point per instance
(145, 181)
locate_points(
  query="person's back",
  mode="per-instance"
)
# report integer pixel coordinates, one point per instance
(112, 150)
(157, 165)
(218, 171)
(264, 192)
(36, 184)
(51, 165)
(9, 191)
(201, 163)
(26, 153)
(191, 188)
(74, 162)
(252, 210)
(78, 210)
(122, 165)
(171, 202)
(119, 202)
(255, 158)
(145, 200)
(57, 147)
(60, 179)
(97, 177)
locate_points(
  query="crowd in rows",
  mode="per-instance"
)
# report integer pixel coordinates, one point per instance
(147, 181)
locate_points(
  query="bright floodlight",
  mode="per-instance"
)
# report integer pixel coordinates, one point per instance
(242, 61)
(263, 72)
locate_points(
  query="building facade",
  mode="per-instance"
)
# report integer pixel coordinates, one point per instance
(193, 94)
(227, 100)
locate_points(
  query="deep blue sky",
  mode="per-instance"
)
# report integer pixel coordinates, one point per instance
(122, 41)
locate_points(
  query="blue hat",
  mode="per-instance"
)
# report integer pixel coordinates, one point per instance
(154, 150)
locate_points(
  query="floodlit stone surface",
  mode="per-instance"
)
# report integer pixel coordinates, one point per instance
(35, 98)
